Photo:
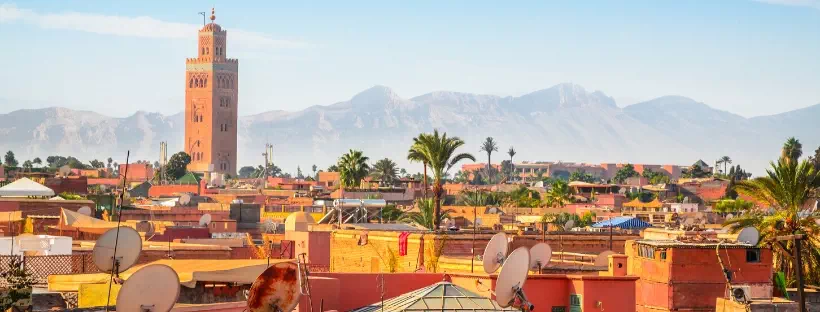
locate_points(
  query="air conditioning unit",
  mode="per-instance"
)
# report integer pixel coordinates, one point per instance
(741, 293)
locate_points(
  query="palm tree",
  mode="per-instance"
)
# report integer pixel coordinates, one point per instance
(386, 171)
(416, 156)
(792, 149)
(426, 216)
(314, 170)
(353, 168)
(439, 152)
(725, 160)
(489, 146)
(558, 195)
(512, 153)
(786, 187)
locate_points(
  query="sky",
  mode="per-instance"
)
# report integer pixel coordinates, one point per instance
(748, 57)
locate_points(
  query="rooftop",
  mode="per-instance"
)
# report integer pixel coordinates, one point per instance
(693, 243)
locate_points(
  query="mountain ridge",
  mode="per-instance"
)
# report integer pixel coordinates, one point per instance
(564, 122)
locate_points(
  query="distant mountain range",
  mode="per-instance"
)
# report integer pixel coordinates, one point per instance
(564, 122)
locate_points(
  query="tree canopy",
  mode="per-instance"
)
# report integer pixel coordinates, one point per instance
(177, 165)
(9, 160)
(626, 172)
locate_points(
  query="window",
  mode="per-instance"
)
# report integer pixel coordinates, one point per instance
(663, 255)
(207, 51)
(752, 255)
(646, 251)
(575, 302)
(191, 83)
(203, 51)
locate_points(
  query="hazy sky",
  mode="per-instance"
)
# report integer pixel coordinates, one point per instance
(748, 57)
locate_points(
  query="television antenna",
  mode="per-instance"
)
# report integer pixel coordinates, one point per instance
(749, 235)
(603, 258)
(85, 210)
(509, 288)
(152, 288)
(540, 255)
(495, 253)
(276, 289)
(205, 220)
(117, 250)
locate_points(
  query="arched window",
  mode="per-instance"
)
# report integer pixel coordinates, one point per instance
(203, 51)
(207, 50)
(191, 83)
(205, 83)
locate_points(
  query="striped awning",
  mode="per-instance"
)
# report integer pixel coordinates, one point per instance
(623, 222)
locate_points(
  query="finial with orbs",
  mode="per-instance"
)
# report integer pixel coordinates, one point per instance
(213, 14)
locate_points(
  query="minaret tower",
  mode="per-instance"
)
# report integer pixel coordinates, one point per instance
(211, 102)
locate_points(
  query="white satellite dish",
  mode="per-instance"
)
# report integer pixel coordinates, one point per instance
(85, 210)
(128, 244)
(729, 216)
(703, 221)
(153, 288)
(748, 235)
(184, 199)
(688, 221)
(495, 253)
(569, 225)
(510, 283)
(540, 255)
(603, 258)
(205, 220)
(477, 222)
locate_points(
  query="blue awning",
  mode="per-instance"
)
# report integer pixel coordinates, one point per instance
(623, 222)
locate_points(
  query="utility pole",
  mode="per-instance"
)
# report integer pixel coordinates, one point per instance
(798, 262)
(203, 17)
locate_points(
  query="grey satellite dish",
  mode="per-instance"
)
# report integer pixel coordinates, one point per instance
(540, 255)
(205, 220)
(603, 258)
(569, 225)
(269, 226)
(184, 199)
(128, 245)
(85, 210)
(495, 253)
(748, 235)
(511, 279)
(478, 222)
(152, 288)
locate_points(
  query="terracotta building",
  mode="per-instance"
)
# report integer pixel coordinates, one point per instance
(211, 101)
(676, 275)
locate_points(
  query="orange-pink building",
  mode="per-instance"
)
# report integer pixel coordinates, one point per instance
(211, 103)
(604, 171)
(680, 276)
(137, 172)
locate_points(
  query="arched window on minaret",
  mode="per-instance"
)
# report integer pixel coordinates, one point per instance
(207, 50)
(203, 51)
(205, 83)
(191, 83)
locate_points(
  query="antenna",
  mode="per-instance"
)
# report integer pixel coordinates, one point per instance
(205, 220)
(510, 283)
(276, 289)
(495, 252)
(603, 258)
(112, 259)
(749, 235)
(152, 288)
(540, 255)
(163, 159)
(85, 210)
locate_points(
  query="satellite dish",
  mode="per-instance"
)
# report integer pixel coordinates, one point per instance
(569, 225)
(128, 243)
(184, 199)
(688, 221)
(729, 216)
(205, 220)
(540, 255)
(276, 289)
(748, 235)
(477, 222)
(603, 258)
(85, 210)
(154, 288)
(495, 252)
(269, 226)
(703, 221)
(510, 283)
